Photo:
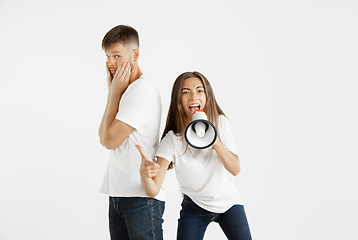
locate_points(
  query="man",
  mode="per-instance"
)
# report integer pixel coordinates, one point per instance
(132, 116)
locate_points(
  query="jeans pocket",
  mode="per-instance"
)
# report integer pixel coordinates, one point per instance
(161, 208)
(187, 199)
(113, 202)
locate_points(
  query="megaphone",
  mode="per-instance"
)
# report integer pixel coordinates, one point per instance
(200, 133)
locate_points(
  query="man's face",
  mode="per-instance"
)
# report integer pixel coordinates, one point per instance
(116, 55)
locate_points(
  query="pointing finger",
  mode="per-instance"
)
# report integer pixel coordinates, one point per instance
(141, 151)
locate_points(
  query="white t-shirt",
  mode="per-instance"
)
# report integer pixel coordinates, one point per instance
(141, 108)
(200, 173)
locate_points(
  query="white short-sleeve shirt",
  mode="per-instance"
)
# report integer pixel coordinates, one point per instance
(141, 108)
(200, 173)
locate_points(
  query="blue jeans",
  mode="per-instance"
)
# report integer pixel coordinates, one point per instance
(194, 221)
(135, 218)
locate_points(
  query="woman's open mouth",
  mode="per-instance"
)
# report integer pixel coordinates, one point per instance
(194, 107)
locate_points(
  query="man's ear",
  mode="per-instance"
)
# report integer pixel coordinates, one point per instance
(135, 54)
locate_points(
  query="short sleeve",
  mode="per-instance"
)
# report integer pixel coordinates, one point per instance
(139, 104)
(226, 134)
(166, 148)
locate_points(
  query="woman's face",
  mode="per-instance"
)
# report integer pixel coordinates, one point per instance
(192, 97)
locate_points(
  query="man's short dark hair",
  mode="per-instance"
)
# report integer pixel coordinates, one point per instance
(123, 34)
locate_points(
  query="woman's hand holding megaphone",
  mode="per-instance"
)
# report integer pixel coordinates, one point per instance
(148, 169)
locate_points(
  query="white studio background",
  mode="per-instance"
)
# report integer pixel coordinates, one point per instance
(284, 72)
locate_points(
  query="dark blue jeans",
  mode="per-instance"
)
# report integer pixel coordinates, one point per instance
(135, 218)
(194, 221)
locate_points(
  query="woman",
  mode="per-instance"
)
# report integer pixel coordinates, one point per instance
(205, 176)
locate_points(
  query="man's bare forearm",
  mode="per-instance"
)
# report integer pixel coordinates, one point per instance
(100, 130)
(109, 117)
(113, 132)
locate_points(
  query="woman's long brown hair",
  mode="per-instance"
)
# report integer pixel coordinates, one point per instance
(176, 115)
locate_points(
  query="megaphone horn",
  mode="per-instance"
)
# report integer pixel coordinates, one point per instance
(200, 128)
(200, 133)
